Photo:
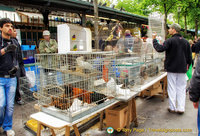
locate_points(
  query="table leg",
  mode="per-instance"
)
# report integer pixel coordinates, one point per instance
(52, 131)
(128, 117)
(134, 112)
(101, 121)
(39, 128)
(76, 130)
(67, 131)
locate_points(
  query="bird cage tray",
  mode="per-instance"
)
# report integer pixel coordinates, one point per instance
(77, 114)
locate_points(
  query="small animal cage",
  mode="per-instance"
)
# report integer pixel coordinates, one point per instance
(30, 102)
(128, 71)
(151, 68)
(75, 84)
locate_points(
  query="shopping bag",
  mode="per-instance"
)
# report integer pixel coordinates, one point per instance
(189, 72)
(31, 77)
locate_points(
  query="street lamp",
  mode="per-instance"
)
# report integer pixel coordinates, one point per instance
(179, 10)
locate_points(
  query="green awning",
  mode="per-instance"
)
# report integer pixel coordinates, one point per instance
(5, 8)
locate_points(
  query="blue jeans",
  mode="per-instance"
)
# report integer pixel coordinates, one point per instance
(7, 97)
(198, 119)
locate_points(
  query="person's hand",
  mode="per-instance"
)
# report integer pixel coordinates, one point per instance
(13, 70)
(10, 47)
(196, 105)
(154, 35)
(129, 51)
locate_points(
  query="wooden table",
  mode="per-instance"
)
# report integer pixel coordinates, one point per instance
(52, 122)
(132, 102)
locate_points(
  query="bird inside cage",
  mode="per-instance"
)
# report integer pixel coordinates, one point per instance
(83, 66)
(88, 97)
(105, 71)
(124, 78)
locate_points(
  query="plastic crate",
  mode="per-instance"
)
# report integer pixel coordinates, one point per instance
(29, 60)
(28, 47)
(28, 53)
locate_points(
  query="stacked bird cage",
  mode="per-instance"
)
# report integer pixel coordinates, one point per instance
(128, 64)
(153, 62)
(75, 84)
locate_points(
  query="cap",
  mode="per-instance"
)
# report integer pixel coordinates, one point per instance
(176, 26)
(46, 32)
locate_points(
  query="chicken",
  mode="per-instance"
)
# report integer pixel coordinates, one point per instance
(88, 97)
(65, 100)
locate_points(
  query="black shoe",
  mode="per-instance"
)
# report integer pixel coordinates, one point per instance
(171, 111)
(180, 112)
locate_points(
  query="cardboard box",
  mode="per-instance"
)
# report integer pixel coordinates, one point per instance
(116, 115)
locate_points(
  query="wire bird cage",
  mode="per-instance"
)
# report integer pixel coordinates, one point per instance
(75, 84)
(135, 65)
(156, 25)
(29, 100)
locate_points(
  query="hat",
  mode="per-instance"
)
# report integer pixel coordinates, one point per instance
(176, 26)
(46, 32)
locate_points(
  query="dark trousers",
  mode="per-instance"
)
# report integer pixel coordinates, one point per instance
(17, 95)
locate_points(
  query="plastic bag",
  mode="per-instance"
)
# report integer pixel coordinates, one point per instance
(31, 77)
(189, 72)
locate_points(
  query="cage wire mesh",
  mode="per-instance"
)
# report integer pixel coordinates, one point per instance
(153, 62)
(29, 100)
(75, 84)
(156, 25)
(128, 64)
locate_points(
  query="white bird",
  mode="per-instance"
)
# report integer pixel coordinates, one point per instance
(82, 64)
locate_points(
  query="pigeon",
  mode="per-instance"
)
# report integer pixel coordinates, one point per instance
(82, 64)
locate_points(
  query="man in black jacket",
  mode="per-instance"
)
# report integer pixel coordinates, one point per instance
(178, 58)
(20, 64)
(194, 91)
(7, 76)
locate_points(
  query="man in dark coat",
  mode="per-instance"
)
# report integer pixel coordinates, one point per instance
(178, 57)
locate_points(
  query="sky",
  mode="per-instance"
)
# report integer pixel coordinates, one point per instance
(114, 1)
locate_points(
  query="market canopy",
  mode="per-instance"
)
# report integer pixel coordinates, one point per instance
(77, 6)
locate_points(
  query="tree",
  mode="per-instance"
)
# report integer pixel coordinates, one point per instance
(133, 6)
(163, 6)
(144, 7)
(194, 14)
(96, 16)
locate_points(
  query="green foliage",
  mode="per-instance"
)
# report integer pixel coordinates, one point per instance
(186, 36)
(108, 2)
(188, 8)
(133, 6)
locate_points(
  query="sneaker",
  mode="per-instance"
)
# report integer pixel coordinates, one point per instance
(20, 102)
(10, 133)
(1, 130)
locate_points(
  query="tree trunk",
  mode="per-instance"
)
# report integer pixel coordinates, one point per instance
(95, 2)
(185, 17)
(165, 20)
(196, 27)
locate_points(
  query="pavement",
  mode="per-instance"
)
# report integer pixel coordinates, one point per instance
(153, 119)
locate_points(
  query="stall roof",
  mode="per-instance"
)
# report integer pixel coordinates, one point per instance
(5, 8)
(77, 6)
